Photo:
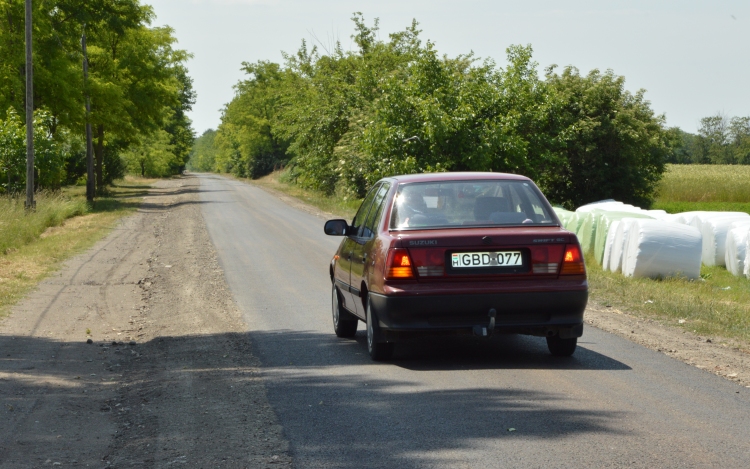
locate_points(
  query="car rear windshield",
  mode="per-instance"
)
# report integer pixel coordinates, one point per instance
(468, 203)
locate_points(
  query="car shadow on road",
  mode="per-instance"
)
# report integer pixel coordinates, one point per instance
(439, 353)
(328, 392)
(322, 388)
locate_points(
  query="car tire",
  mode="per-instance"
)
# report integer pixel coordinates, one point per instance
(379, 350)
(561, 347)
(344, 323)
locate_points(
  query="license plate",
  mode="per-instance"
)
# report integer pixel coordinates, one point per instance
(486, 259)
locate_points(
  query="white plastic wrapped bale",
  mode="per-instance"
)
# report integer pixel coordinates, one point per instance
(574, 222)
(607, 256)
(735, 254)
(604, 226)
(662, 249)
(746, 268)
(563, 215)
(601, 205)
(619, 243)
(587, 230)
(659, 215)
(714, 231)
(699, 218)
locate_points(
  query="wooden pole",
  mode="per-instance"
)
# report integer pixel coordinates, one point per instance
(30, 202)
(90, 180)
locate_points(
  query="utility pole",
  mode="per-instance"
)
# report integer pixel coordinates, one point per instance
(30, 203)
(90, 182)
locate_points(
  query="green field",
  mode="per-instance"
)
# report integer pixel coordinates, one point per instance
(724, 188)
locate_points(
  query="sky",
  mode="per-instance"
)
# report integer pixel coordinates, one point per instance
(691, 56)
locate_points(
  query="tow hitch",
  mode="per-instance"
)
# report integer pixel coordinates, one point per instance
(486, 331)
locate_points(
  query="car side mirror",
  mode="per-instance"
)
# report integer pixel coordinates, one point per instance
(336, 227)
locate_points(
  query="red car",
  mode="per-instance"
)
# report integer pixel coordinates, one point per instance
(478, 253)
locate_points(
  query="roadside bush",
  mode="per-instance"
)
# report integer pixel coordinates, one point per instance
(50, 152)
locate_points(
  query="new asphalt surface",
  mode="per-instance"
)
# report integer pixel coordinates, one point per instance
(450, 402)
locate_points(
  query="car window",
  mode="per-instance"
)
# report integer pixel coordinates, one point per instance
(364, 209)
(369, 227)
(468, 203)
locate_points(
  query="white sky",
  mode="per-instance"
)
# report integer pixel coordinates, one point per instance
(690, 55)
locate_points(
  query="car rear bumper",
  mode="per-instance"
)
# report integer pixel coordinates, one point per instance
(535, 313)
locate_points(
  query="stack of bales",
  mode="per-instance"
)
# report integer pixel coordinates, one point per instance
(736, 253)
(651, 243)
(725, 238)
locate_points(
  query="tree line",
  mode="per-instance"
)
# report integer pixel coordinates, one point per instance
(339, 120)
(138, 85)
(720, 140)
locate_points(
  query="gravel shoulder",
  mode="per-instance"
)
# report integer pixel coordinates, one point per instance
(723, 357)
(169, 378)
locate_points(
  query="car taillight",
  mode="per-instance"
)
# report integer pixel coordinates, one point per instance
(428, 262)
(573, 261)
(399, 264)
(545, 259)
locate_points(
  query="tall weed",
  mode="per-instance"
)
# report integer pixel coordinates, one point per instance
(18, 228)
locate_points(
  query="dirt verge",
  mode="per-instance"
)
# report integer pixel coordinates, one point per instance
(723, 357)
(168, 379)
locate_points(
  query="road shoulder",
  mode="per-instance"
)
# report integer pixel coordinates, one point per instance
(169, 378)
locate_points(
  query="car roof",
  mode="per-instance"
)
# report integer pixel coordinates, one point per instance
(456, 176)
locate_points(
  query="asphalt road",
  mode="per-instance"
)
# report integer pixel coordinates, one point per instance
(450, 403)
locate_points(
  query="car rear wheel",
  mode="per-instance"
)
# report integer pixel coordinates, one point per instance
(379, 350)
(561, 347)
(344, 323)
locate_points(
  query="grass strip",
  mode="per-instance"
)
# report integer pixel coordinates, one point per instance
(345, 207)
(681, 206)
(62, 226)
(717, 304)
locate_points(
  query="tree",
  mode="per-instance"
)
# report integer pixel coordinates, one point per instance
(133, 80)
(249, 147)
(154, 157)
(50, 152)
(138, 82)
(203, 154)
(178, 125)
(612, 143)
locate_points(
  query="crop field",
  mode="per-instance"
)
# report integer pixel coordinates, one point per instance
(705, 187)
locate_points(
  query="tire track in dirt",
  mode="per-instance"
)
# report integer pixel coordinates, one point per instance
(189, 392)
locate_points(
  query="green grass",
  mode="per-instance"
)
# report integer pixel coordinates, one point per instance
(17, 227)
(344, 207)
(36, 244)
(681, 206)
(717, 304)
